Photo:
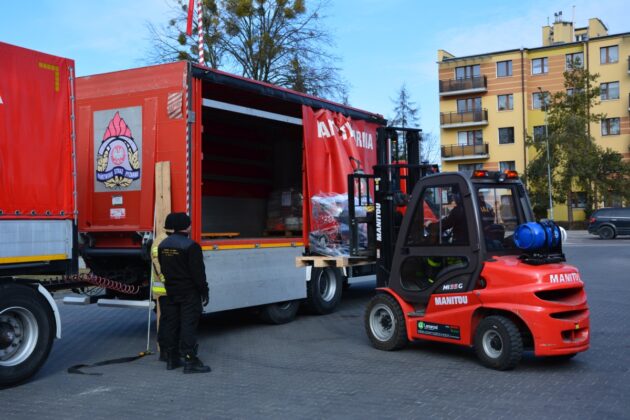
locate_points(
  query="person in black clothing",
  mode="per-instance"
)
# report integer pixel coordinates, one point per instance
(456, 220)
(486, 210)
(181, 262)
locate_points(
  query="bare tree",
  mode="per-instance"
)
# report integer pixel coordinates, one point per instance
(275, 41)
(430, 148)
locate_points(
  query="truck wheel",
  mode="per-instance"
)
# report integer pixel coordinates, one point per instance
(280, 313)
(606, 232)
(498, 343)
(385, 323)
(323, 291)
(26, 332)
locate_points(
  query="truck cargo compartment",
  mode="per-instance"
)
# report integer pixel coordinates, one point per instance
(251, 176)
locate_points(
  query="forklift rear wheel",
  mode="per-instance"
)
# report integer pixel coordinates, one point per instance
(498, 343)
(324, 290)
(385, 323)
(280, 313)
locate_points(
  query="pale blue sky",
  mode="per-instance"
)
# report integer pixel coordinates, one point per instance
(382, 43)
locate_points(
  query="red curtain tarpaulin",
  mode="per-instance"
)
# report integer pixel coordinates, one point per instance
(35, 135)
(334, 146)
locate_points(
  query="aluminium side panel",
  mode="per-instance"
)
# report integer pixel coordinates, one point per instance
(26, 241)
(250, 277)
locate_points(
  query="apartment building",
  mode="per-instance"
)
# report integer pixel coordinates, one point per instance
(490, 103)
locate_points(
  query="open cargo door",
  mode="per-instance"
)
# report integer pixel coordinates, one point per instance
(335, 146)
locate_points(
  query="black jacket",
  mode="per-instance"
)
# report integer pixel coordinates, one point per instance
(181, 262)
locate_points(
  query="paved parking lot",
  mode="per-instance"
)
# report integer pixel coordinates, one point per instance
(324, 366)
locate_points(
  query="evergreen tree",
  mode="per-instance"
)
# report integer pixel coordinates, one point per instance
(406, 114)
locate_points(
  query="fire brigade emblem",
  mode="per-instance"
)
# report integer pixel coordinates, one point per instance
(117, 163)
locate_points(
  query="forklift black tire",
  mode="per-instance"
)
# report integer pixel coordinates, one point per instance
(27, 330)
(498, 343)
(280, 313)
(323, 291)
(385, 323)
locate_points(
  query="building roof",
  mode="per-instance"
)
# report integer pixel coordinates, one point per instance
(467, 57)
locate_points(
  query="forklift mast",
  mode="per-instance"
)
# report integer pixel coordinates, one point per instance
(378, 201)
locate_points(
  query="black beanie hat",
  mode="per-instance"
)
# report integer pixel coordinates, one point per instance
(177, 221)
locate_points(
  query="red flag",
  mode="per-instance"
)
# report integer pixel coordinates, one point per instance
(191, 6)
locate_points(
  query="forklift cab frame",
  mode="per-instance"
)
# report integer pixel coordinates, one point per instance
(449, 231)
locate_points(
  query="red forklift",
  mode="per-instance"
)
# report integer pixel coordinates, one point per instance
(460, 259)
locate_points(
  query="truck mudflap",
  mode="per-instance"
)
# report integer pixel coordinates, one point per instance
(54, 307)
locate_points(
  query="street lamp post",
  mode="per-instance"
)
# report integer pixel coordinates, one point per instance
(544, 104)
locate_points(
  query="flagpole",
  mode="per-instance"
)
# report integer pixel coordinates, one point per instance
(200, 32)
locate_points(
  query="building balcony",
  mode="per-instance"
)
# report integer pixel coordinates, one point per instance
(453, 152)
(463, 119)
(463, 86)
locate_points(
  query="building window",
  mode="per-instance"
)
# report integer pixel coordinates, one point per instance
(506, 135)
(539, 132)
(540, 65)
(467, 72)
(574, 61)
(609, 55)
(609, 91)
(468, 105)
(468, 168)
(504, 68)
(578, 200)
(505, 102)
(469, 138)
(507, 165)
(540, 99)
(610, 126)
(581, 37)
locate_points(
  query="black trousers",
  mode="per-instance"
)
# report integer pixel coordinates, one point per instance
(179, 319)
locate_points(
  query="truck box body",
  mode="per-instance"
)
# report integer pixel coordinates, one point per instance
(240, 163)
(37, 202)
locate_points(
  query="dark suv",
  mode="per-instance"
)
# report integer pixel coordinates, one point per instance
(610, 222)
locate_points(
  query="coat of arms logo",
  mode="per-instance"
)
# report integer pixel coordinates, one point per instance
(117, 161)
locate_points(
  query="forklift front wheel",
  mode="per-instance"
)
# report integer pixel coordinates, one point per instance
(498, 343)
(385, 323)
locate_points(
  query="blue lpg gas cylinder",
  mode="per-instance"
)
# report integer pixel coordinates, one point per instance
(534, 235)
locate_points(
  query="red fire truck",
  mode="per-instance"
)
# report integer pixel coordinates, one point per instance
(246, 160)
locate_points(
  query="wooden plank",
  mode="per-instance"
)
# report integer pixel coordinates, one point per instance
(321, 261)
(161, 210)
